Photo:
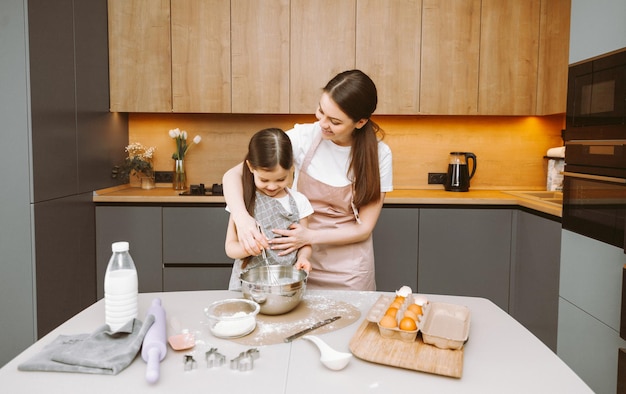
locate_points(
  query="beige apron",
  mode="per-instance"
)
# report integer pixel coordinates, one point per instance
(348, 266)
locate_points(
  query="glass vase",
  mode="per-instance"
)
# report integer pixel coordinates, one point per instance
(180, 176)
(147, 182)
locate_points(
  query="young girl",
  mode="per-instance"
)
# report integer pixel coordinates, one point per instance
(266, 174)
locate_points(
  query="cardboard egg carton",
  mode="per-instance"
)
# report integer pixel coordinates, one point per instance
(443, 325)
(378, 311)
(446, 325)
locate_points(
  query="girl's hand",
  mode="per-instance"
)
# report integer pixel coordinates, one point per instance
(290, 240)
(249, 235)
(303, 264)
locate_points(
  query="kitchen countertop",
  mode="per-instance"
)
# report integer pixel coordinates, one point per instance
(500, 356)
(164, 193)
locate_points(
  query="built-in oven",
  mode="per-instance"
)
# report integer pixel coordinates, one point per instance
(594, 189)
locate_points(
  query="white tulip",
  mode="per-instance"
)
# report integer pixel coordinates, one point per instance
(174, 133)
(197, 139)
(183, 134)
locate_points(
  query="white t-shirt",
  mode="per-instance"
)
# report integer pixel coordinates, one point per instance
(329, 157)
(304, 205)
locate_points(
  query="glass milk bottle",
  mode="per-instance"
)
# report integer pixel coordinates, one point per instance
(120, 287)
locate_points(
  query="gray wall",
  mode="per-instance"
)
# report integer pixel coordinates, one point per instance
(597, 27)
(17, 321)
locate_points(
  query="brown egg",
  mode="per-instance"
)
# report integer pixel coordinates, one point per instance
(411, 314)
(392, 312)
(408, 324)
(396, 305)
(399, 299)
(417, 309)
(388, 322)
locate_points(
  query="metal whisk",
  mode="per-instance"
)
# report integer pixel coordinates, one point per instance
(273, 280)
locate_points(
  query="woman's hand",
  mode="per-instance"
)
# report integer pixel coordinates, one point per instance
(292, 239)
(250, 238)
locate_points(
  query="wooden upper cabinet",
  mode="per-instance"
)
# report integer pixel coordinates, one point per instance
(140, 74)
(439, 57)
(322, 45)
(509, 47)
(388, 50)
(201, 56)
(260, 56)
(450, 57)
(553, 56)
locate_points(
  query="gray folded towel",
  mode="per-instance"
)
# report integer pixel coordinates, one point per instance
(102, 352)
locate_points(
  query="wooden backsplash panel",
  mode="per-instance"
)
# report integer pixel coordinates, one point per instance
(510, 150)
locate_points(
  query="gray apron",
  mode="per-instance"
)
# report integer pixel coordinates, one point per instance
(270, 214)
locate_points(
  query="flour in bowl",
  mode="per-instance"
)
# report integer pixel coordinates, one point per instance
(234, 328)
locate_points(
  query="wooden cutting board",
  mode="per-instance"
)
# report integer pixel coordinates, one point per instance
(367, 344)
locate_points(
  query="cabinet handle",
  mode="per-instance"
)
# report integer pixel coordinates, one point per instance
(595, 177)
(621, 371)
(622, 323)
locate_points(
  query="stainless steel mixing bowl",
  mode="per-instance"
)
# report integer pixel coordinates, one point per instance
(274, 299)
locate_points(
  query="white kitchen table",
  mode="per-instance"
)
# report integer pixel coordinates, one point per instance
(501, 356)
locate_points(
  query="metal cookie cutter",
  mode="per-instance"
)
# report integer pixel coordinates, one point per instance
(214, 358)
(189, 361)
(245, 360)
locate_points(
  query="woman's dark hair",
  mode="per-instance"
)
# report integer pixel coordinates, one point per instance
(355, 93)
(267, 149)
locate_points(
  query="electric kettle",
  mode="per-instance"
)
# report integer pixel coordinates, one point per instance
(458, 178)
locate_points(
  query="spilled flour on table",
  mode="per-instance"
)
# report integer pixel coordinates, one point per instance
(274, 329)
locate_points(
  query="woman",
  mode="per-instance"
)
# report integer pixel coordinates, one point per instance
(344, 169)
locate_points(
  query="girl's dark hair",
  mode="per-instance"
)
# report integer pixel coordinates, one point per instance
(267, 149)
(355, 93)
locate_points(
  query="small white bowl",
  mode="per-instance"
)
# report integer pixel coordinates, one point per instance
(232, 318)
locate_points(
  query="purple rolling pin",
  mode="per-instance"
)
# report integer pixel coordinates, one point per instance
(154, 343)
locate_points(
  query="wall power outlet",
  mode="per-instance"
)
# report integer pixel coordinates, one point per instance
(436, 178)
(163, 176)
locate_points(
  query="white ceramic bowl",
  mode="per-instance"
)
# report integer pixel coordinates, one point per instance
(232, 318)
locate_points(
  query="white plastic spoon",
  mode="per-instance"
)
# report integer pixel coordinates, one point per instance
(331, 358)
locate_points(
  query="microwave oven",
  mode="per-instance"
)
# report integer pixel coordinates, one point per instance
(596, 98)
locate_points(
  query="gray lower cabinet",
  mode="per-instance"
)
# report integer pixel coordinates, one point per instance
(590, 307)
(535, 275)
(193, 248)
(141, 227)
(395, 248)
(195, 236)
(64, 244)
(465, 252)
